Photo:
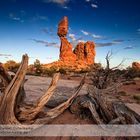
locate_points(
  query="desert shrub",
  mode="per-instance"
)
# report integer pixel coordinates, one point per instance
(132, 73)
(136, 97)
(97, 66)
(62, 71)
(50, 71)
(82, 71)
(31, 70)
(11, 66)
(37, 67)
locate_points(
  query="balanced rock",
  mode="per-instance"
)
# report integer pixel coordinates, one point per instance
(136, 65)
(81, 58)
(66, 53)
(63, 27)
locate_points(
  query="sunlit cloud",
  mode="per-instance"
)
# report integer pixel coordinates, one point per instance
(84, 32)
(88, 0)
(92, 35)
(72, 37)
(94, 5)
(81, 41)
(61, 3)
(96, 36)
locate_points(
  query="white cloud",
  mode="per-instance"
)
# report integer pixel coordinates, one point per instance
(91, 35)
(72, 37)
(88, 0)
(96, 36)
(61, 2)
(84, 32)
(66, 7)
(75, 39)
(94, 5)
(15, 17)
(81, 41)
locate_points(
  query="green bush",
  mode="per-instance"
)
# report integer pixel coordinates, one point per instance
(132, 73)
(50, 71)
(136, 97)
(62, 71)
(38, 67)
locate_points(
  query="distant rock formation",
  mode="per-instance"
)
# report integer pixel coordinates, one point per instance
(66, 53)
(85, 52)
(82, 57)
(136, 65)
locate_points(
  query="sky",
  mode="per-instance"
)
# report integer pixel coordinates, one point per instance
(30, 26)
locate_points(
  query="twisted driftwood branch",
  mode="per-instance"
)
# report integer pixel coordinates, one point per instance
(13, 113)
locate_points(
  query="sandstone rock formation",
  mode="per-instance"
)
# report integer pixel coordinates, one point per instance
(66, 53)
(85, 52)
(79, 51)
(63, 27)
(82, 57)
(136, 65)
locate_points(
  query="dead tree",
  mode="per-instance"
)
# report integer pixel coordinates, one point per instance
(14, 112)
(4, 78)
(103, 109)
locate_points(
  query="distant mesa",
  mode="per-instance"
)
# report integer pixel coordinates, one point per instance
(136, 65)
(82, 57)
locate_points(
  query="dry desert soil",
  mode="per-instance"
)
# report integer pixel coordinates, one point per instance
(36, 86)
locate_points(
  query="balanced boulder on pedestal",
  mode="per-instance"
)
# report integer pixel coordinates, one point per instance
(66, 53)
(82, 57)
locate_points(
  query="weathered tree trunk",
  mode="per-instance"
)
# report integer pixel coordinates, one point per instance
(103, 110)
(7, 104)
(14, 111)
